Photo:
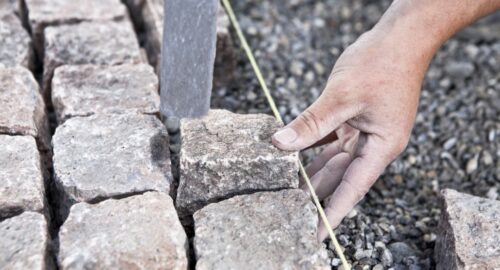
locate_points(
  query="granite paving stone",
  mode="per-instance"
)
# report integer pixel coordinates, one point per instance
(109, 155)
(225, 154)
(264, 230)
(15, 46)
(24, 242)
(21, 178)
(138, 232)
(89, 89)
(22, 107)
(98, 43)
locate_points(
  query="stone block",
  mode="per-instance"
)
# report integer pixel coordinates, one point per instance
(21, 178)
(226, 154)
(152, 14)
(109, 156)
(265, 230)
(89, 89)
(468, 232)
(97, 43)
(24, 242)
(15, 45)
(138, 232)
(40, 14)
(23, 110)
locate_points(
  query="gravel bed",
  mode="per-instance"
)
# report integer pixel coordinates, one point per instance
(455, 142)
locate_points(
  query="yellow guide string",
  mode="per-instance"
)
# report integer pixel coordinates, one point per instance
(272, 104)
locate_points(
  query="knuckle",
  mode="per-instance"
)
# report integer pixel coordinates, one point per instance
(311, 120)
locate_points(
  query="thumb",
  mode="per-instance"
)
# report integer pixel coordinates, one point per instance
(316, 122)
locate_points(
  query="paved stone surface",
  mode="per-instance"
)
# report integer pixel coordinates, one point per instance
(21, 180)
(22, 108)
(43, 13)
(23, 242)
(105, 155)
(469, 232)
(139, 232)
(98, 43)
(225, 154)
(265, 230)
(89, 89)
(15, 48)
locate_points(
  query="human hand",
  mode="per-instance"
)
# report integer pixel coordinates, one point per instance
(370, 102)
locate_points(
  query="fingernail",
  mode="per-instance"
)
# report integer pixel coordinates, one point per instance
(285, 136)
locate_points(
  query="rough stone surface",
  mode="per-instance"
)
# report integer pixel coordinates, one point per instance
(88, 89)
(139, 232)
(22, 108)
(23, 242)
(226, 154)
(43, 13)
(15, 45)
(469, 232)
(98, 43)
(106, 155)
(152, 14)
(265, 230)
(21, 180)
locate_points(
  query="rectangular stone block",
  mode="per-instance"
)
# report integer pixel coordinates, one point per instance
(22, 108)
(24, 242)
(226, 154)
(15, 45)
(265, 230)
(153, 13)
(468, 232)
(89, 89)
(98, 43)
(138, 232)
(109, 156)
(21, 179)
(40, 14)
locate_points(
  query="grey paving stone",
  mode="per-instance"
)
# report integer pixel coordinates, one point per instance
(15, 45)
(43, 13)
(265, 230)
(22, 108)
(89, 89)
(225, 154)
(109, 155)
(21, 179)
(138, 232)
(98, 43)
(152, 13)
(468, 232)
(24, 242)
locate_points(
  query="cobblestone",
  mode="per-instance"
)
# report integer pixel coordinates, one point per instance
(21, 179)
(15, 48)
(106, 155)
(265, 230)
(24, 242)
(139, 232)
(469, 232)
(43, 13)
(23, 110)
(89, 89)
(225, 154)
(99, 43)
